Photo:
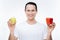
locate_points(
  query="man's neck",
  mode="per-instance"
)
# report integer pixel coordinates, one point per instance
(31, 21)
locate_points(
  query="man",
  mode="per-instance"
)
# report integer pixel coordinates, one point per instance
(31, 29)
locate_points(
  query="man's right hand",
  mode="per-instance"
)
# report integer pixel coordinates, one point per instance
(11, 26)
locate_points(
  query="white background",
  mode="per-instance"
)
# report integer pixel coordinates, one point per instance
(15, 8)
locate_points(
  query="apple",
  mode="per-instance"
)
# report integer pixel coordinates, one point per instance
(49, 21)
(13, 20)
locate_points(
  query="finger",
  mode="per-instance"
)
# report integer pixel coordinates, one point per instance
(54, 24)
(50, 25)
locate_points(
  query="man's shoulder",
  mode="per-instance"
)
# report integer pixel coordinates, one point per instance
(20, 24)
(42, 25)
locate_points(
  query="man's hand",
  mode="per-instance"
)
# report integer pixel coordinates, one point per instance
(11, 27)
(51, 27)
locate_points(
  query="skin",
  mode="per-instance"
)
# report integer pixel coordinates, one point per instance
(50, 29)
(30, 13)
(11, 27)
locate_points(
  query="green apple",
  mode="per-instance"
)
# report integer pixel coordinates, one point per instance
(13, 20)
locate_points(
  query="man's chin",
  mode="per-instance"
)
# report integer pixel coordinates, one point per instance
(31, 18)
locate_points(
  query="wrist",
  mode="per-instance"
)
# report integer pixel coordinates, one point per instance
(11, 32)
(49, 33)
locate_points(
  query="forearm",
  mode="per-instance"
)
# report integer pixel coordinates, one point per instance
(49, 36)
(11, 37)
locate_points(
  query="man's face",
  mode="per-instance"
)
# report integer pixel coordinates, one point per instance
(30, 11)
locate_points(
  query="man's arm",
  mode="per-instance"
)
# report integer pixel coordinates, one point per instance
(12, 37)
(50, 29)
(11, 27)
(49, 36)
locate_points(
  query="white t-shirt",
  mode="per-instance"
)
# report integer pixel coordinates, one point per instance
(25, 31)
